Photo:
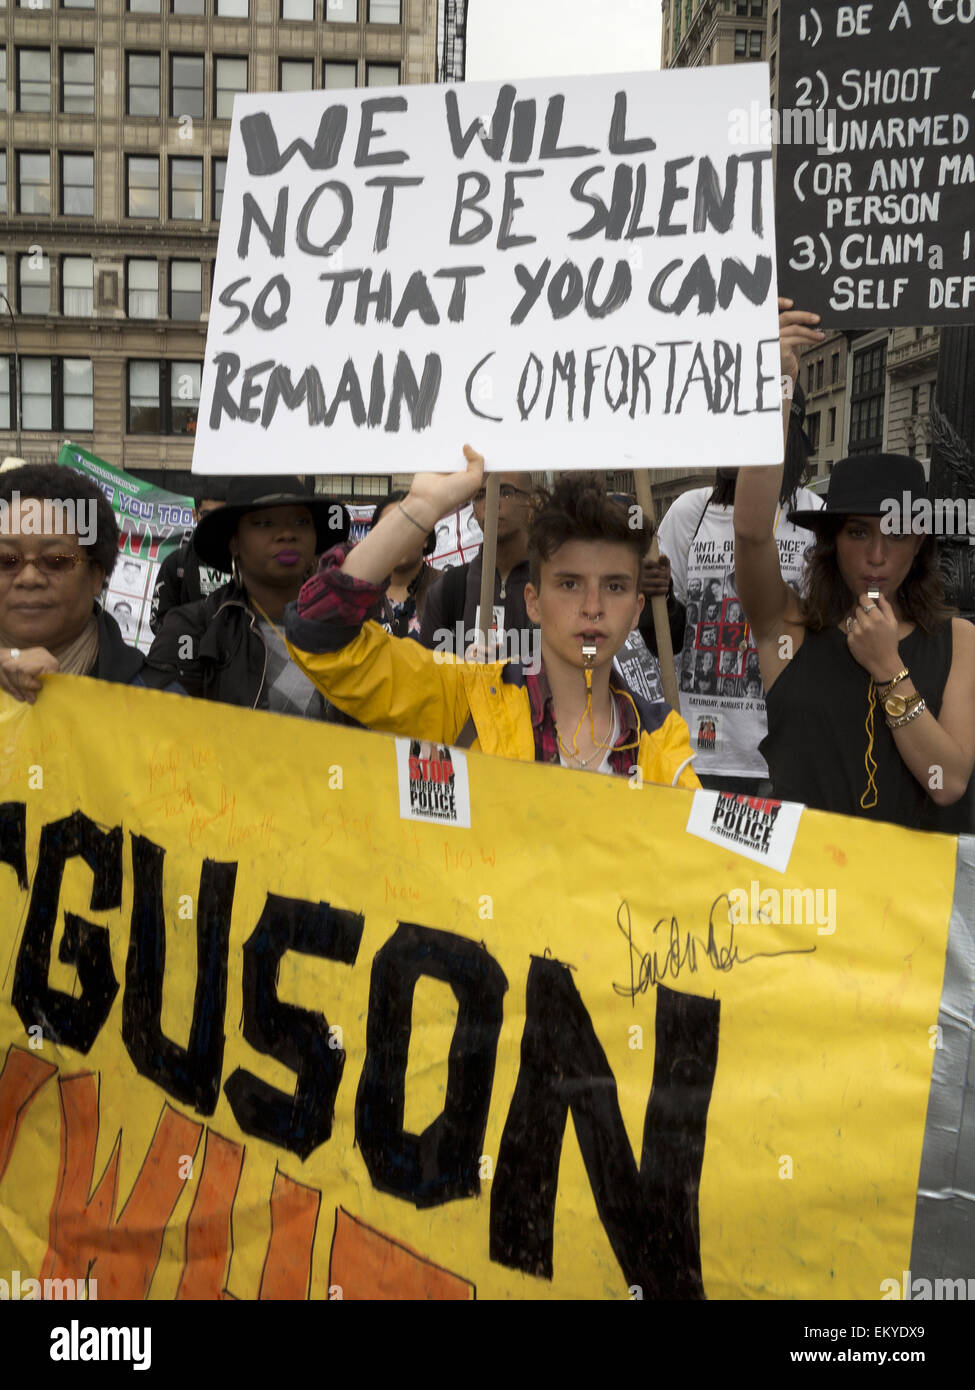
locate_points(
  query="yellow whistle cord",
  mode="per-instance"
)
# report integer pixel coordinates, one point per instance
(573, 752)
(869, 761)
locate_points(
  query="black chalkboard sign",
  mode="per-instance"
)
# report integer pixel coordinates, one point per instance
(875, 187)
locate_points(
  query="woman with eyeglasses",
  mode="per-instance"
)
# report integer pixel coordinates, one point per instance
(452, 603)
(58, 545)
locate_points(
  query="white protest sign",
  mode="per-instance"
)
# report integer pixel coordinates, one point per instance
(583, 266)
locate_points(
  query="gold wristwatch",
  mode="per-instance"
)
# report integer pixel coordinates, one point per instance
(896, 706)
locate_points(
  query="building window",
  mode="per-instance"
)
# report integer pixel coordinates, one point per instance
(384, 11)
(188, 7)
(741, 6)
(834, 368)
(819, 375)
(296, 76)
(230, 77)
(184, 396)
(3, 180)
(143, 6)
(31, 5)
(812, 430)
(186, 85)
(186, 190)
(143, 289)
(931, 389)
(78, 82)
(867, 400)
(77, 287)
(185, 290)
(33, 79)
(300, 9)
(143, 84)
(832, 425)
(741, 42)
(219, 179)
(231, 9)
(809, 378)
(34, 183)
(55, 394)
(382, 74)
(76, 378)
(6, 365)
(35, 393)
(78, 185)
(35, 284)
(142, 186)
(339, 75)
(755, 43)
(77, 4)
(164, 397)
(3, 81)
(341, 11)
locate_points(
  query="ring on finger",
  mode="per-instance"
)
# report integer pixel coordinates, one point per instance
(869, 607)
(849, 624)
(14, 653)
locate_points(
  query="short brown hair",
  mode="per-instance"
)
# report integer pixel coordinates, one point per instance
(578, 509)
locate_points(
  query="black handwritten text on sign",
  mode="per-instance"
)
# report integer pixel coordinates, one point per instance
(876, 165)
(584, 264)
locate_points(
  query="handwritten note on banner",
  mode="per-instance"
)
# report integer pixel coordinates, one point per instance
(567, 1051)
(585, 264)
(876, 165)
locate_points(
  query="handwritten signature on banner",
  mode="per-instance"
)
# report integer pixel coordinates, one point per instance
(682, 950)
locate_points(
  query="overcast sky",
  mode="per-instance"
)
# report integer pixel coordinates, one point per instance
(556, 38)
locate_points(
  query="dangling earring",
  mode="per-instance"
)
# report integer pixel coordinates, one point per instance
(235, 572)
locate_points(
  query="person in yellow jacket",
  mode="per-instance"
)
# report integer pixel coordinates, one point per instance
(584, 594)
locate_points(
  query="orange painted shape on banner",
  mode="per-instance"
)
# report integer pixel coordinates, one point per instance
(208, 1229)
(294, 1218)
(365, 1263)
(83, 1239)
(22, 1077)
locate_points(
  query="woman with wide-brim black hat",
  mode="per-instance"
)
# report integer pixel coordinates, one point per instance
(869, 678)
(230, 646)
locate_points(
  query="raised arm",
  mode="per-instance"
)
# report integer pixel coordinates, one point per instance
(766, 598)
(431, 496)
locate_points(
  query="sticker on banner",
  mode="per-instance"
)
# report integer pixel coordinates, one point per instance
(755, 826)
(433, 783)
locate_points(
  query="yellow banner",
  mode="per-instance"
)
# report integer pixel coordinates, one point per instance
(263, 1037)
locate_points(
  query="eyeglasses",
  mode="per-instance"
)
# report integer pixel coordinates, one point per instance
(505, 491)
(12, 563)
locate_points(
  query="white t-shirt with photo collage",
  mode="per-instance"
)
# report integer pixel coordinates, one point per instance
(721, 694)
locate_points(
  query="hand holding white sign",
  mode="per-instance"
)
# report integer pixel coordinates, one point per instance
(431, 496)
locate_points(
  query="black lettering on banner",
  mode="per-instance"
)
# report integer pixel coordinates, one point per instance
(388, 185)
(367, 133)
(650, 1213)
(420, 397)
(66, 1020)
(441, 1164)
(342, 227)
(13, 839)
(461, 140)
(274, 236)
(190, 1074)
(261, 143)
(295, 1037)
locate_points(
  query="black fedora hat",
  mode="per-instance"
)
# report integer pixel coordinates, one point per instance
(867, 485)
(211, 539)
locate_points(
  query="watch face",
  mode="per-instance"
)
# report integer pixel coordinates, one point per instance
(895, 705)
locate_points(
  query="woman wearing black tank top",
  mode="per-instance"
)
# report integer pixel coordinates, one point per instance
(869, 679)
